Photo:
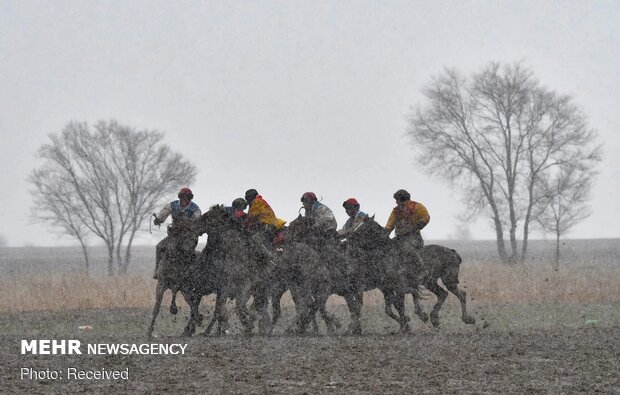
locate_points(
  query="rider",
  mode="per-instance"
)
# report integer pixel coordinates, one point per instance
(183, 211)
(319, 215)
(262, 222)
(236, 211)
(407, 219)
(356, 217)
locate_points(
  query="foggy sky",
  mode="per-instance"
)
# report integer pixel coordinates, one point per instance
(290, 96)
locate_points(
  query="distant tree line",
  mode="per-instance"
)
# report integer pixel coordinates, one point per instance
(522, 154)
(105, 182)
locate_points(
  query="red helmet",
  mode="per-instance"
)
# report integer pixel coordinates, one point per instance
(351, 202)
(185, 192)
(308, 197)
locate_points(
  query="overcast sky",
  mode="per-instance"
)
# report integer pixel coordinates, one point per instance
(290, 96)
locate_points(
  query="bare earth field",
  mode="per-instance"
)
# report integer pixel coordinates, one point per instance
(505, 357)
(537, 331)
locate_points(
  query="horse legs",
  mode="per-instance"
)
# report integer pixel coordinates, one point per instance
(261, 303)
(194, 317)
(159, 294)
(454, 288)
(331, 322)
(442, 294)
(301, 300)
(416, 304)
(355, 303)
(219, 314)
(392, 299)
(173, 303)
(399, 304)
(276, 297)
(241, 300)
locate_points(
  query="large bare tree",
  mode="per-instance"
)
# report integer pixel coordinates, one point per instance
(494, 134)
(106, 182)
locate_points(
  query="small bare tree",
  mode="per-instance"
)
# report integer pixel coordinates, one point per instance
(106, 182)
(494, 135)
(566, 194)
(56, 205)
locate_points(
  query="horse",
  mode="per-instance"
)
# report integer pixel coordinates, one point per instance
(301, 270)
(393, 274)
(238, 273)
(353, 270)
(179, 256)
(435, 262)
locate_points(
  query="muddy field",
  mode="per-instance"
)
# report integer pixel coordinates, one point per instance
(537, 331)
(511, 349)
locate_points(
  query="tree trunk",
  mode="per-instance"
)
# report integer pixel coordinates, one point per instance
(119, 259)
(128, 253)
(513, 233)
(556, 263)
(85, 252)
(501, 247)
(110, 260)
(526, 230)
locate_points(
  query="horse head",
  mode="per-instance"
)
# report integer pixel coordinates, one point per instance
(298, 228)
(215, 219)
(369, 234)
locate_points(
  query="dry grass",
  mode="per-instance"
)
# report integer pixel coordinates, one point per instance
(484, 283)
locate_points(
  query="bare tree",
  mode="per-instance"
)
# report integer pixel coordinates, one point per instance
(56, 205)
(566, 194)
(494, 135)
(106, 182)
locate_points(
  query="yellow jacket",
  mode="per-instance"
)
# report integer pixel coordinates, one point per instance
(263, 213)
(406, 220)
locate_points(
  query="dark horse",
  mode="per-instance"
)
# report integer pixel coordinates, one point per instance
(177, 267)
(353, 269)
(301, 269)
(237, 272)
(436, 262)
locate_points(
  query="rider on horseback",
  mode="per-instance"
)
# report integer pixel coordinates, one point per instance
(262, 223)
(318, 215)
(183, 212)
(236, 211)
(407, 219)
(356, 217)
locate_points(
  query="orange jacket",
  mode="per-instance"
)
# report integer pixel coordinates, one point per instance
(406, 220)
(262, 212)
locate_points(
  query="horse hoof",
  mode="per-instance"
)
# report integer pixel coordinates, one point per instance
(469, 320)
(423, 317)
(435, 320)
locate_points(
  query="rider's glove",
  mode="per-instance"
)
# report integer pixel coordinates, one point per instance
(157, 221)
